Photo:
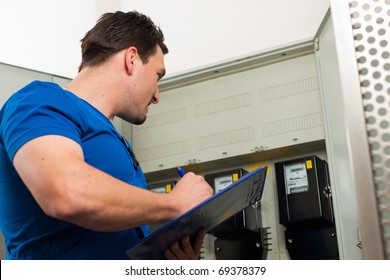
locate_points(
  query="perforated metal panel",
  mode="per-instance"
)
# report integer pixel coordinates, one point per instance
(371, 29)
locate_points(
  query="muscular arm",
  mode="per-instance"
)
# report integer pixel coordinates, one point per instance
(67, 188)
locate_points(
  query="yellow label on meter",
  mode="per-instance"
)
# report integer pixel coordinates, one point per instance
(309, 164)
(168, 188)
(235, 177)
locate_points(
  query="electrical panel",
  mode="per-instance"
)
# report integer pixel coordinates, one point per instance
(234, 115)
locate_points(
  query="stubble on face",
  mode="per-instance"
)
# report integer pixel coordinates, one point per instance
(145, 89)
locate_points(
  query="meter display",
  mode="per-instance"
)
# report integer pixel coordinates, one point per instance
(221, 183)
(296, 178)
(163, 187)
(159, 189)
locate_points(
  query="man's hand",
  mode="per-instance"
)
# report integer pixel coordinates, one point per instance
(185, 250)
(189, 191)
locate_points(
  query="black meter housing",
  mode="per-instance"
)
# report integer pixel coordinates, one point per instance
(306, 209)
(303, 190)
(235, 239)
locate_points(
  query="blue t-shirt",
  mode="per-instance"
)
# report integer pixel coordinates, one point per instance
(43, 108)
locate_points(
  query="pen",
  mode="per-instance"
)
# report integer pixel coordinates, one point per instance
(180, 171)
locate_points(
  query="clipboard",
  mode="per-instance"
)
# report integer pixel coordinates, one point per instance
(244, 192)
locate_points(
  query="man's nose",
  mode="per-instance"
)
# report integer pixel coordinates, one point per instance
(156, 96)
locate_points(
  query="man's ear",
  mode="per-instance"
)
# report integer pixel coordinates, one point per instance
(131, 55)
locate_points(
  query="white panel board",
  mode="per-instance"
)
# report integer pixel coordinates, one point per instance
(270, 107)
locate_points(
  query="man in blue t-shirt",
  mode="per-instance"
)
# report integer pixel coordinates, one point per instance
(70, 186)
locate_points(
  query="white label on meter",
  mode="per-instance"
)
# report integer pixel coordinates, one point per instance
(296, 178)
(222, 182)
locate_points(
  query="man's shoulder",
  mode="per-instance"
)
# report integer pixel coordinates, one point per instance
(41, 94)
(39, 88)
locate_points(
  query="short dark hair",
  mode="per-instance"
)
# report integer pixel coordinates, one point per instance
(117, 31)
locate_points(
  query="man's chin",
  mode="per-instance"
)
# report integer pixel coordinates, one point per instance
(132, 120)
(138, 121)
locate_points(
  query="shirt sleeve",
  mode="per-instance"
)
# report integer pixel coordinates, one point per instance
(38, 113)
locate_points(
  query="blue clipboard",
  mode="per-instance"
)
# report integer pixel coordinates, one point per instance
(244, 192)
